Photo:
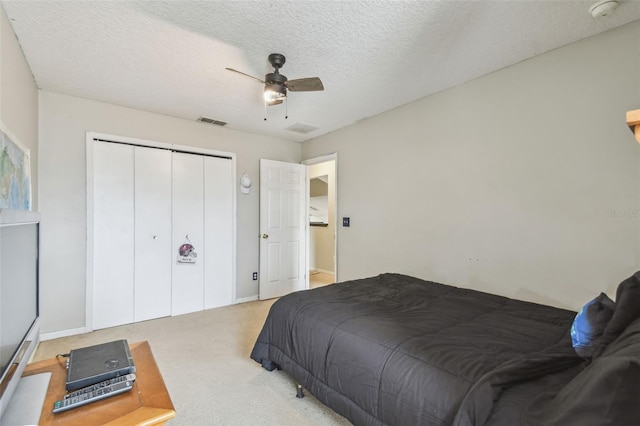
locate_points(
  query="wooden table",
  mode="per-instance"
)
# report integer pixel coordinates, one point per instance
(148, 403)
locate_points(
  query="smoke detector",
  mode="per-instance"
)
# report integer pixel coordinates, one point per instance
(602, 8)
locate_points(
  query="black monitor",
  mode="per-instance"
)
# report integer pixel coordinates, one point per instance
(19, 317)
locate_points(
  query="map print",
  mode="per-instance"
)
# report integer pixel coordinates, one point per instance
(15, 175)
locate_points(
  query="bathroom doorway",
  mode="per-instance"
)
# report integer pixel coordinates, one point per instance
(322, 239)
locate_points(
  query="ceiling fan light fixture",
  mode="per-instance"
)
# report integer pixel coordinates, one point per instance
(276, 84)
(274, 93)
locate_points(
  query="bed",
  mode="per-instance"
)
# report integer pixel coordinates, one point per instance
(398, 350)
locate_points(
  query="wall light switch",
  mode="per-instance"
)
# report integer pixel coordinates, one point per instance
(346, 222)
(255, 276)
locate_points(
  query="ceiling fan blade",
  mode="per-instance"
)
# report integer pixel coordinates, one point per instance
(310, 84)
(246, 75)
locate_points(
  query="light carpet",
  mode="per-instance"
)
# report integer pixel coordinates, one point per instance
(204, 359)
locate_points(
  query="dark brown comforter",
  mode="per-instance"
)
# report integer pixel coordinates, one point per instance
(398, 350)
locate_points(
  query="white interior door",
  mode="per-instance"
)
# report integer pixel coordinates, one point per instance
(218, 232)
(188, 228)
(152, 233)
(113, 225)
(283, 220)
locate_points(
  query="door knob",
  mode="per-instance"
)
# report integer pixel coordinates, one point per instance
(265, 236)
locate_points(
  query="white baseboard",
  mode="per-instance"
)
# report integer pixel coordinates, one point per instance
(247, 299)
(62, 333)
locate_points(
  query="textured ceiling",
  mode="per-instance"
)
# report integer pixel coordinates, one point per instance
(169, 57)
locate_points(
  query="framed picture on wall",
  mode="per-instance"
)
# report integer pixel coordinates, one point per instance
(15, 172)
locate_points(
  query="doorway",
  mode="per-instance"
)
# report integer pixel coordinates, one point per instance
(322, 240)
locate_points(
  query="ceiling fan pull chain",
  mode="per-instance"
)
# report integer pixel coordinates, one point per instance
(286, 107)
(265, 110)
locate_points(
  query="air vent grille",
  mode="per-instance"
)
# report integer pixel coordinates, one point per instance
(212, 121)
(301, 128)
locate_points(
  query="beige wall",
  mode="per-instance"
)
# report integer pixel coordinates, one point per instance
(18, 98)
(523, 182)
(63, 125)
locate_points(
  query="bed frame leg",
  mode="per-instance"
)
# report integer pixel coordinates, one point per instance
(300, 393)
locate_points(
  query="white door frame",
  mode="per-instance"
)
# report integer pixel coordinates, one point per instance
(90, 137)
(316, 160)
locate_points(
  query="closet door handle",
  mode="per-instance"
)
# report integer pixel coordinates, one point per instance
(265, 236)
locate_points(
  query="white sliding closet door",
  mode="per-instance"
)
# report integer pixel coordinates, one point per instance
(113, 222)
(144, 203)
(218, 231)
(152, 233)
(188, 227)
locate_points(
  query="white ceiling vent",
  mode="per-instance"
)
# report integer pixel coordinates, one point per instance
(212, 121)
(301, 128)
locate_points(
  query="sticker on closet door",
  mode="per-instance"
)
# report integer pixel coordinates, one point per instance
(187, 252)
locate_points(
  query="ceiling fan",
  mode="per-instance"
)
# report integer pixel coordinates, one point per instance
(276, 84)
